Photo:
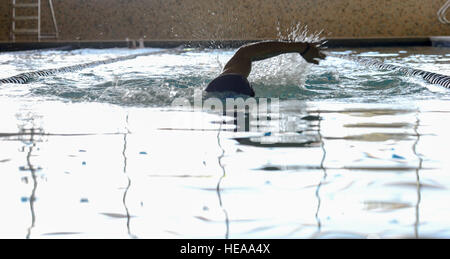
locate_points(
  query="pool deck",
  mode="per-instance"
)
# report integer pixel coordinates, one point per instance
(435, 41)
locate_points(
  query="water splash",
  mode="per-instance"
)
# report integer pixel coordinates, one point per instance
(299, 32)
(286, 70)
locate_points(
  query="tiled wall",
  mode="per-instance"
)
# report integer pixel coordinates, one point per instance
(234, 19)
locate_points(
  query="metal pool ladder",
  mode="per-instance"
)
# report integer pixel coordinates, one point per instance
(35, 5)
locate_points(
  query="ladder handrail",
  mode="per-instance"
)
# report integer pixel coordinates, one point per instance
(442, 13)
(39, 20)
(13, 23)
(54, 18)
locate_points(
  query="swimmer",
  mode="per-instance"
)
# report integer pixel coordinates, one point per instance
(235, 73)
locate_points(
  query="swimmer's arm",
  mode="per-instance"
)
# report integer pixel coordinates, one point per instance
(268, 49)
(240, 63)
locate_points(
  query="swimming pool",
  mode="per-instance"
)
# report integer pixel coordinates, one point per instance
(102, 153)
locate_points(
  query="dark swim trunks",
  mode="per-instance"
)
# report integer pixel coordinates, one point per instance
(231, 83)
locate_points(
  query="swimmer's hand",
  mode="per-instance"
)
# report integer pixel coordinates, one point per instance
(312, 53)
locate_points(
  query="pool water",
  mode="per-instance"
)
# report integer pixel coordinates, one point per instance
(351, 152)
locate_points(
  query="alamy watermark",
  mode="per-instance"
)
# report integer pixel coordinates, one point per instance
(249, 114)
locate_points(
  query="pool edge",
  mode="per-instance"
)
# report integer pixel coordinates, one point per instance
(434, 41)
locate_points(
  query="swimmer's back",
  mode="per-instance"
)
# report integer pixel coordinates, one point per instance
(231, 83)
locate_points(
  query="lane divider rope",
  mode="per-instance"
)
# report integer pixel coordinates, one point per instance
(430, 77)
(28, 76)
